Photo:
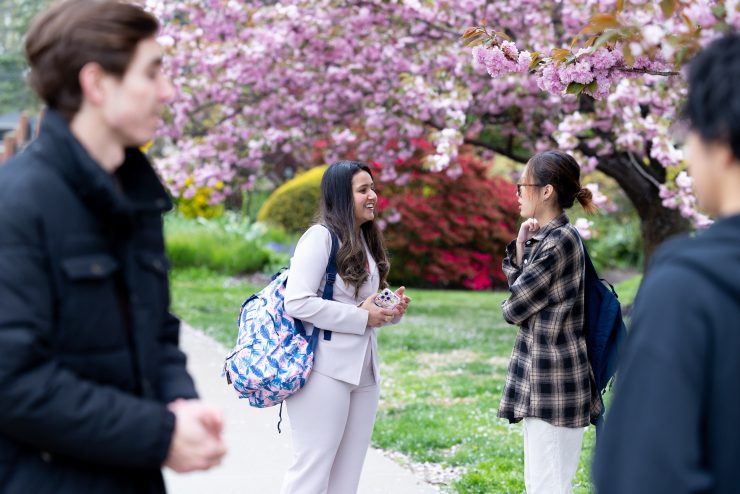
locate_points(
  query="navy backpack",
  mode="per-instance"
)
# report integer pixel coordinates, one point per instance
(604, 327)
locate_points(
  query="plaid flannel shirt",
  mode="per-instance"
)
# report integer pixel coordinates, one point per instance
(549, 375)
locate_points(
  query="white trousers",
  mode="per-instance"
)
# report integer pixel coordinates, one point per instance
(332, 422)
(551, 455)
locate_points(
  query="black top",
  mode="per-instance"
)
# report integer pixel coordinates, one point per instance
(88, 349)
(674, 423)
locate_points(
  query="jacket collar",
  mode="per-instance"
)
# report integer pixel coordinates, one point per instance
(133, 187)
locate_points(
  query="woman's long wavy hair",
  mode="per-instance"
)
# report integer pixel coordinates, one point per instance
(337, 212)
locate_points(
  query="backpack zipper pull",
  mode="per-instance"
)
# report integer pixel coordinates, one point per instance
(228, 375)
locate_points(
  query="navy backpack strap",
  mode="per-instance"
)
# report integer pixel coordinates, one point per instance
(591, 269)
(589, 264)
(331, 277)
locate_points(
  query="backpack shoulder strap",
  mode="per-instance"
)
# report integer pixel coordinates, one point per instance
(591, 269)
(331, 276)
(331, 268)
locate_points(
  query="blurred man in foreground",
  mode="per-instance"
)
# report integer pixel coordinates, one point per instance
(94, 391)
(673, 424)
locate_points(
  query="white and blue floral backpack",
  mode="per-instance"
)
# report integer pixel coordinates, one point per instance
(273, 357)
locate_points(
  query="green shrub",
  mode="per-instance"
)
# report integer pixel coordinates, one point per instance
(239, 225)
(225, 245)
(252, 202)
(445, 231)
(617, 240)
(294, 205)
(199, 206)
(217, 252)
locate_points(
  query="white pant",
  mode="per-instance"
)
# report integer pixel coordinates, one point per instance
(551, 455)
(332, 422)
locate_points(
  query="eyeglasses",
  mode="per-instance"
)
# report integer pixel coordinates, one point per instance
(519, 188)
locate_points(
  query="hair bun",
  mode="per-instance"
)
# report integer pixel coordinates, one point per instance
(585, 198)
(584, 193)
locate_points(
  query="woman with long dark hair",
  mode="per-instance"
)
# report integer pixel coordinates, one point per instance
(549, 385)
(332, 416)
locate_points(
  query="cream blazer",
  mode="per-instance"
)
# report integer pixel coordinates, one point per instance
(341, 357)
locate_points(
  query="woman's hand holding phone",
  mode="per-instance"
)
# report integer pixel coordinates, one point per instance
(378, 315)
(386, 307)
(403, 303)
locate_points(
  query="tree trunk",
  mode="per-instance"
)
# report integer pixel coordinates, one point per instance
(657, 223)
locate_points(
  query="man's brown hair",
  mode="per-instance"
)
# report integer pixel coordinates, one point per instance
(65, 37)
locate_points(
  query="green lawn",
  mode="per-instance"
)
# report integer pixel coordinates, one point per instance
(443, 371)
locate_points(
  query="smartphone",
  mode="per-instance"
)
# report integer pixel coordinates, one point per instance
(387, 299)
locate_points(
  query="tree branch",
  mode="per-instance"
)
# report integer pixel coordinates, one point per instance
(557, 22)
(496, 149)
(509, 153)
(647, 71)
(203, 130)
(641, 171)
(500, 118)
(445, 29)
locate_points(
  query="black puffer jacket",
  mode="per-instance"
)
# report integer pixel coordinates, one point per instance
(88, 349)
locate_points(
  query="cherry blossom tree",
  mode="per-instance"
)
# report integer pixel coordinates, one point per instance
(264, 84)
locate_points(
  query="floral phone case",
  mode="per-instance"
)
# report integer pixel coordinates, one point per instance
(387, 299)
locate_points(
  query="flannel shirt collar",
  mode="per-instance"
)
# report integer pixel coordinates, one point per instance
(555, 223)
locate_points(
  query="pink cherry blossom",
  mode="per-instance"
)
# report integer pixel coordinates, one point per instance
(307, 81)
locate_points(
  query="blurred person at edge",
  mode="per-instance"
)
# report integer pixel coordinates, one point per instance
(673, 423)
(94, 390)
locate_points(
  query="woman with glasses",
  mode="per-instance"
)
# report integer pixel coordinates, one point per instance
(549, 385)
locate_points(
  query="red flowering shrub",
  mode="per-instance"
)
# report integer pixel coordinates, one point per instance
(444, 230)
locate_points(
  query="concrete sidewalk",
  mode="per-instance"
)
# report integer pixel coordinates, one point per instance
(258, 456)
